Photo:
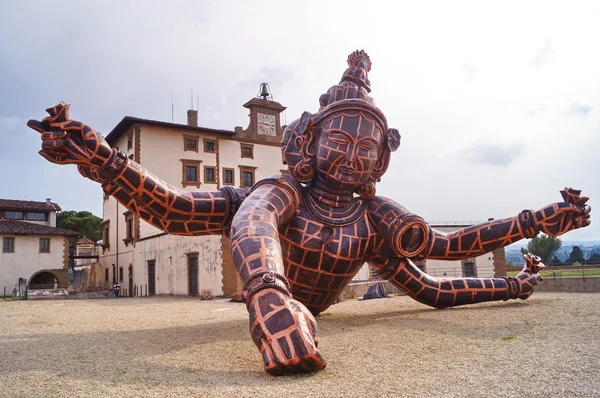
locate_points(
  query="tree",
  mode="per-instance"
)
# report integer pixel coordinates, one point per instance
(83, 222)
(576, 255)
(555, 261)
(595, 257)
(543, 246)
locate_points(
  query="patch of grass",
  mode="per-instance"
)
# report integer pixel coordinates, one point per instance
(549, 273)
(509, 337)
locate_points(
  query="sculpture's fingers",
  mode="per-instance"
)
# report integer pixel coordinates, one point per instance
(570, 195)
(53, 144)
(53, 135)
(315, 361)
(69, 125)
(38, 126)
(58, 113)
(587, 210)
(45, 154)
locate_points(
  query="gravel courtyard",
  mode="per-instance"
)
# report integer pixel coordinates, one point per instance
(546, 346)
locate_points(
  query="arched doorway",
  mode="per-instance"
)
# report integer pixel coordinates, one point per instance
(43, 280)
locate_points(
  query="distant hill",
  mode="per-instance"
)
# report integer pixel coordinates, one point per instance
(513, 252)
(565, 243)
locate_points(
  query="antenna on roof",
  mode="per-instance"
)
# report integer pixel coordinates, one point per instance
(172, 107)
(192, 97)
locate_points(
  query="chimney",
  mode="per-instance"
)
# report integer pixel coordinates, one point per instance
(192, 118)
(48, 201)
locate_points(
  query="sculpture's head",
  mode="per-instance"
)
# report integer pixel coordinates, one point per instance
(346, 143)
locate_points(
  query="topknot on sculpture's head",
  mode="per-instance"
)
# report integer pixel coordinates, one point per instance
(355, 82)
(349, 96)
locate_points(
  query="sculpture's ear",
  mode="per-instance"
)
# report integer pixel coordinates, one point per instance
(305, 122)
(392, 140)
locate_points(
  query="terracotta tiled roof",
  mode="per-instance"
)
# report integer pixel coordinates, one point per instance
(129, 121)
(28, 228)
(11, 204)
(85, 241)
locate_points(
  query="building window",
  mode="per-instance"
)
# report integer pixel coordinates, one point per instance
(469, 270)
(36, 216)
(8, 245)
(247, 150)
(130, 142)
(190, 175)
(190, 143)
(106, 234)
(210, 146)
(44, 245)
(121, 274)
(105, 274)
(247, 176)
(228, 176)
(128, 227)
(209, 174)
(13, 215)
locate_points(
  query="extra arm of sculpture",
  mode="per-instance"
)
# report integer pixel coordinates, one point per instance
(554, 220)
(442, 293)
(282, 328)
(166, 207)
(406, 236)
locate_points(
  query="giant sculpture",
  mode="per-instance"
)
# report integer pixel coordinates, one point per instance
(298, 240)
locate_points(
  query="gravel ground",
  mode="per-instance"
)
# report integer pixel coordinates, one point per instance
(546, 346)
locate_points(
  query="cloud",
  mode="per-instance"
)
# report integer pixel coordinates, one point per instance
(275, 76)
(541, 108)
(544, 55)
(491, 154)
(577, 108)
(468, 70)
(8, 123)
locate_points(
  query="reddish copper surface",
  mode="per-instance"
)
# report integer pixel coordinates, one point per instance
(313, 230)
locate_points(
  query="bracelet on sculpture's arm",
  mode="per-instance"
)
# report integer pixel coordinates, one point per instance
(114, 166)
(265, 280)
(528, 224)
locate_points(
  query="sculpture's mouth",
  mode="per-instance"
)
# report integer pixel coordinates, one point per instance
(347, 170)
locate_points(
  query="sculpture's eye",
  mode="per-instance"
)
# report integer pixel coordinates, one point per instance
(339, 139)
(368, 144)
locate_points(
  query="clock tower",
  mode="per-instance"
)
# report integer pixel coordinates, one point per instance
(265, 121)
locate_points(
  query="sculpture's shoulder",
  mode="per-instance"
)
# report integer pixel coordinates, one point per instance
(380, 205)
(286, 183)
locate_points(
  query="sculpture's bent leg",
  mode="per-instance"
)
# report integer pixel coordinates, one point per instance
(442, 293)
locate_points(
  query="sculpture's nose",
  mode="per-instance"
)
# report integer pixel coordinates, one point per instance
(350, 155)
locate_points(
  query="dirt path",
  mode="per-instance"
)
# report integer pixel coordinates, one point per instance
(546, 346)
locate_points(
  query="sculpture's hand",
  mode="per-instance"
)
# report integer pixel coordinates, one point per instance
(529, 276)
(285, 333)
(559, 218)
(66, 141)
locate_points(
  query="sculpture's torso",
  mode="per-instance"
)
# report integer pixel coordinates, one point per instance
(321, 258)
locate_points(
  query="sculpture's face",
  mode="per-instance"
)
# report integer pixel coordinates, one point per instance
(347, 149)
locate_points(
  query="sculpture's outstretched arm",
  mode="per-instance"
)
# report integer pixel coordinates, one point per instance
(173, 210)
(282, 328)
(555, 220)
(410, 237)
(441, 293)
(221, 205)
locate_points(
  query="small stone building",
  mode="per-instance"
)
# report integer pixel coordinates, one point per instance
(33, 249)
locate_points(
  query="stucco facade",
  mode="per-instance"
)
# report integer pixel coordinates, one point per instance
(144, 259)
(31, 247)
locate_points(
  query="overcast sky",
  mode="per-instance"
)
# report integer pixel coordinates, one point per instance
(498, 106)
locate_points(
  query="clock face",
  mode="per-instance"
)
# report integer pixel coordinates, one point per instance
(266, 124)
